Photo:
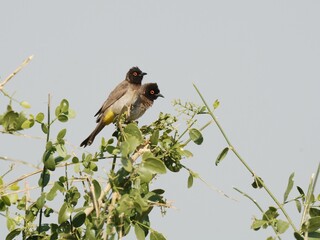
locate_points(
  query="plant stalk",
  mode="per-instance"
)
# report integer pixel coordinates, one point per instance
(244, 162)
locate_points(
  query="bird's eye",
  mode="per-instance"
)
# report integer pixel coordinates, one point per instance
(152, 92)
(135, 74)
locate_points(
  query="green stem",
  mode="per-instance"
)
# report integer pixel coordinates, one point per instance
(307, 203)
(185, 131)
(44, 168)
(244, 163)
(259, 207)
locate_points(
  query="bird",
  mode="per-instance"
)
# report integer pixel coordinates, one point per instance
(142, 100)
(117, 99)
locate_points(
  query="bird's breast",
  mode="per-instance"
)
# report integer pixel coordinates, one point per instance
(125, 100)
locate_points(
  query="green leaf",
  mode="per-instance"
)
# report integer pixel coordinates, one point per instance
(44, 179)
(185, 153)
(156, 236)
(257, 183)
(133, 130)
(6, 200)
(195, 136)
(64, 106)
(79, 219)
(141, 204)
(13, 198)
(257, 224)
(154, 139)
(97, 188)
(190, 180)
(270, 214)
(75, 160)
(155, 165)
(145, 174)
(48, 211)
(314, 212)
(127, 164)
(57, 111)
(50, 163)
(139, 232)
(129, 145)
(289, 187)
(25, 104)
(298, 205)
(52, 194)
(297, 236)
(62, 134)
(64, 213)
(311, 225)
(314, 235)
(216, 104)
(41, 201)
(14, 187)
(14, 233)
(61, 150)
(44, 128)
(40, 117)
(63, 118)
(282, 226)
(300, 191)
(57, 186)
(72, 113)
(222, 155)
(27, 124)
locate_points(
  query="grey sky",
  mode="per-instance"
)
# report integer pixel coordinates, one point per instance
(259, 58)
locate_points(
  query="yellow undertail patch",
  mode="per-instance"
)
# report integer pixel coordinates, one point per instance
(108, 118)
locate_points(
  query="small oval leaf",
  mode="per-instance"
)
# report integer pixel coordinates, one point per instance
(139, 232)
(97, 188)
(154, 139)
(14, 233)
(25, 104)
(216, 104)
(289, 187)
(44, 128)
(195, 136)
(63, 118)
(222, 155)
(156, 236)
(64, 213)
(190, 180)
(62, 134)
(79, 219)
(154, 165)
(40, 117)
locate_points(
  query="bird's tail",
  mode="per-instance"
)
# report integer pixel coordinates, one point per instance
(89, 140)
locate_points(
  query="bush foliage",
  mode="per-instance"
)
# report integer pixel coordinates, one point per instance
(87, 206)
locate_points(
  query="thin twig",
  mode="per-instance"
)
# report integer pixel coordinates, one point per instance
(260, 208)
(25, 62)
(114, 199)
(18, 161)
(244, 162)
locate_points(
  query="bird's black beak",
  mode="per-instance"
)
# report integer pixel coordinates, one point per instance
(159, 95)
(142, 74)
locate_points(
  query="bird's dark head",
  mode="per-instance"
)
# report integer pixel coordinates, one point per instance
(135, 75)
(151, 91)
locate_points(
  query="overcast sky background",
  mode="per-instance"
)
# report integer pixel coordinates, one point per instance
(259, 58)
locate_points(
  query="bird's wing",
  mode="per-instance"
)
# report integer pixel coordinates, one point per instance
(115, 95)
